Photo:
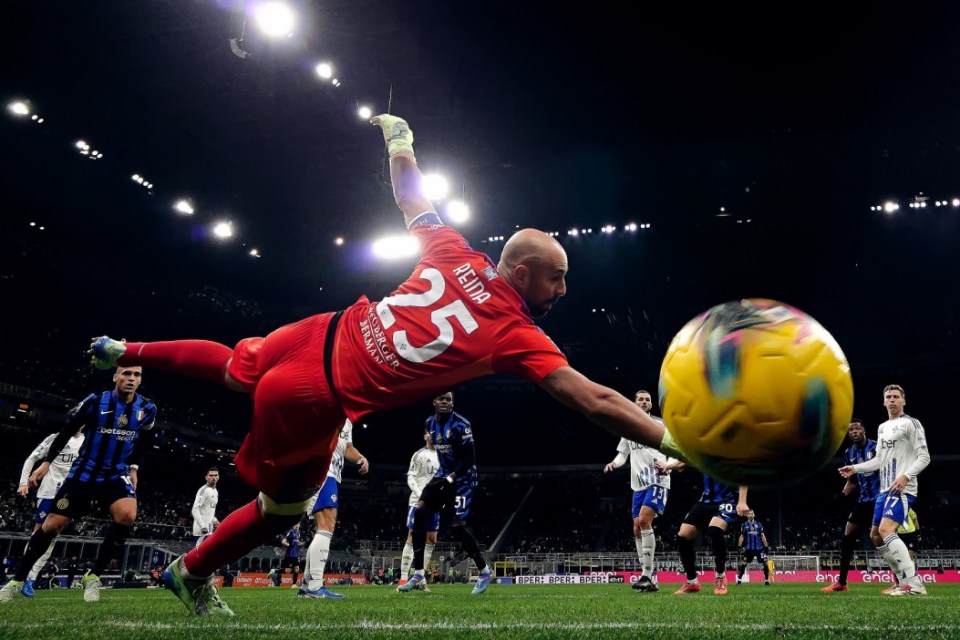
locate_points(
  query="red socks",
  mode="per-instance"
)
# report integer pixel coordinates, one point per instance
(196, 358)
(240, 533)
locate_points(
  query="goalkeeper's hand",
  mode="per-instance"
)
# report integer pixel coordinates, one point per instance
(396, 133)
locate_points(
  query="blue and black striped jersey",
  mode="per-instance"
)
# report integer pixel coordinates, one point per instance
(752, 536)
(868, 483)
(715, 492)
(112, 430)
(453, 440)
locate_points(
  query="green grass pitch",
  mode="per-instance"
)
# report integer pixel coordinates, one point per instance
(505, 611)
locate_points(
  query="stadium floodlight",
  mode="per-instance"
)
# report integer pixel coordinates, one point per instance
(82, 144)
(18, 108)
(34, 117)
(255, 252)
(324, 70)
(573, 232)
(39, 120)
(890, 206)
(631, 226)
(955, 202)
(338, 241)
(184, 207)
(222, 230)
(335, 82)
(365, 112)
(457, 212)
(33, 224)
(435, 187)
(274, 18)
(394, 247)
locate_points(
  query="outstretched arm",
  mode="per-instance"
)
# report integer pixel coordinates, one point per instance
(608, 409)
(404, 172)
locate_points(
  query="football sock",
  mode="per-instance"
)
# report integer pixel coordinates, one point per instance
(406, 560)
(469, 544)
(688, 558)
(38, 565)
(111, 546)
(719, 549)
(317, 559)
(36, 547)
(648, 547)
(196, 358)
(902, 564)
(846, 555)
(427, 552)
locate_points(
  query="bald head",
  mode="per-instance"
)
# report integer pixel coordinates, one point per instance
(536, 265)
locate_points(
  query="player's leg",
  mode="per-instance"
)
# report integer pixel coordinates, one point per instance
(458, 503)
(893, 549)
(406, 558)
(432, 527)
(685, 538)
(635, 505)
(717, 532)
(745, 559)
(196, 358)
(429, 505)
(43, 508)
(124, 512)
(653, 504)
(325, 517)
(37, 545)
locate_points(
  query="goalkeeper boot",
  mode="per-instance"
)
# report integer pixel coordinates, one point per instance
(91, 587)
(199, 595)
(396, 133)
(10, 590)
(105, 352)
(834, 588)
(27, 588)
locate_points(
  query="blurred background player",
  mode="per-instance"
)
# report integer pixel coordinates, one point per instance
(290, 563)
(105, 470)
(717, 509)
(324, 511)
(458, 317)
(753, 547)
(450, 492)
(867, 487)
(651, 488)
(205, 506)
(901, 455)
(51, 483)
(423, 467)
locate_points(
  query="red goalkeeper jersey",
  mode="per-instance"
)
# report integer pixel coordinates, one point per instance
(453, 320)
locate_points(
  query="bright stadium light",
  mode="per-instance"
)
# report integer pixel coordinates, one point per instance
(222, 230)
(393, 247)
(82, 145)
(338, 241)
(890, 206)
(457, 212)
(184, 207)
(18, 108)
(274, 18)
(435, 187)
(365, 112)
(324, 70)
(955, 202)
(255, 252)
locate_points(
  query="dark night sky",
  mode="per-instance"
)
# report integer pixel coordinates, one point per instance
(796, 118)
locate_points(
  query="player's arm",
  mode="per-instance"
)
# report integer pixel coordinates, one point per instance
(607, 408)
(873, 464)
(404, 173)
(466, 457)
(740, 541)
(742, 507)
(353, 455)
(195, 510)
(919, 441)
(35, 456)
(413, 473)
(78, 417)
(763, 539)
(623, 454)
(134, 475)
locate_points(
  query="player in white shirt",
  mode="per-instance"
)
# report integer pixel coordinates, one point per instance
(423, 467)
(205, 506)
(651, 486)
(323, 506)
(901, 455)
(49, 486)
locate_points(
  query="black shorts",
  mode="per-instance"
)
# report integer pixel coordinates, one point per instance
(755, 556)
(290, 562)
(912, 540)
(74, 497)
(701, 514)
(862, 515)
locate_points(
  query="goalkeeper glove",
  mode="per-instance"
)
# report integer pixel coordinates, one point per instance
(396, 133)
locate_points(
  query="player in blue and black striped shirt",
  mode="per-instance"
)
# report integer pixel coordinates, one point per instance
(867, 487)
(753, 545)
(105, 470)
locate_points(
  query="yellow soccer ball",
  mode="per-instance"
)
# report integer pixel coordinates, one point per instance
(756, 392)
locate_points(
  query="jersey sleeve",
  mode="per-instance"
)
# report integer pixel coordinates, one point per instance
(528, 352)
(435, 237)
(348, 427)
